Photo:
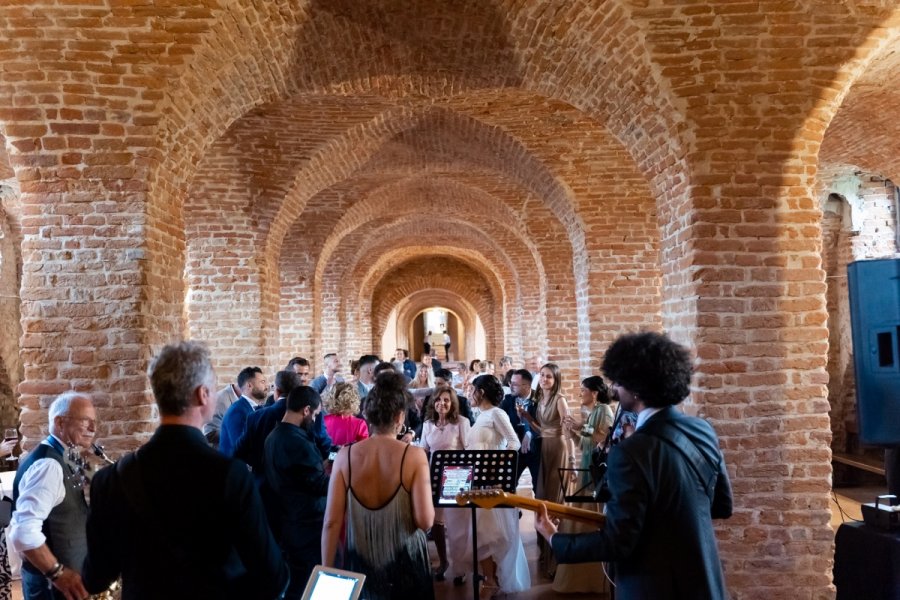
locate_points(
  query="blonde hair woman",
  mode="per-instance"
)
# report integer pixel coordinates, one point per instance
(424, 377)
(341, 422)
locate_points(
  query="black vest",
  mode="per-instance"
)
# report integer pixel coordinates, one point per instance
(64, 527)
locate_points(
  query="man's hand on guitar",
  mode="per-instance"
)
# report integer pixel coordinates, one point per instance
(544, 524)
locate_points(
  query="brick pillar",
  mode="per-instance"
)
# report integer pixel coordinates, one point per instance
(231, 300)
(752, 269)
(87, 285)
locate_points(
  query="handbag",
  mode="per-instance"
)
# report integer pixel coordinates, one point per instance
(6, 510)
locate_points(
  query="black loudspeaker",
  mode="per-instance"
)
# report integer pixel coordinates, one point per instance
(874, 287)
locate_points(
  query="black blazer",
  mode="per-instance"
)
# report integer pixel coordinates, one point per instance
(180, 521)
(295, 472)
(659, 520)
(521, 427)
(251, 446)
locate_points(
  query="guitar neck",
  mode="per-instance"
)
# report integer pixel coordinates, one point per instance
(557, 510)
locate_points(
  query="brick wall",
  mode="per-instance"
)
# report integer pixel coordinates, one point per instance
(263, 174)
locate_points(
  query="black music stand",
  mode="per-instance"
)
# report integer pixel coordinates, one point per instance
(490, 469)
(584, 494)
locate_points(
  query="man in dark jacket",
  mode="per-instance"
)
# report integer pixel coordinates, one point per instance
(299, 484)
(176, 519)
(667, 481)
(530, 450)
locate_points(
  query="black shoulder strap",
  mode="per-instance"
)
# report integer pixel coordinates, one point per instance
(702, 467)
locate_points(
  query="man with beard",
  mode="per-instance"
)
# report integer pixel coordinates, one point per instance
(299, 484)
(667, 482)
(530, 451)
(253, 387)
(330, 375)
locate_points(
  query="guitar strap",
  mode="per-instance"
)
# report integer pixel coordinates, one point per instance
(702, 467)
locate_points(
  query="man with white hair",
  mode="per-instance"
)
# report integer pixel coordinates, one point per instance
(176, 519)
(48, 525)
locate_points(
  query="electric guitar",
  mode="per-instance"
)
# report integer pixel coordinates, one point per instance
(491, 498)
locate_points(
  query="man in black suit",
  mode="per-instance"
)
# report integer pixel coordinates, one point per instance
(250, 446)
(667, 482)
(295, 473)
(530, 451)
(176, 519)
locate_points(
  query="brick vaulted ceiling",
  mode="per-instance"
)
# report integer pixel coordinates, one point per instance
(277, 176)
(317, 180)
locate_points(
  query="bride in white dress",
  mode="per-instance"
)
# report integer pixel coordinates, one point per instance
(500, 551)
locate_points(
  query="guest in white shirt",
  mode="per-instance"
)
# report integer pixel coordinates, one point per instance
(48, 525)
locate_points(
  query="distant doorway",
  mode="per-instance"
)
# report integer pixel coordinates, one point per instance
(430, 325)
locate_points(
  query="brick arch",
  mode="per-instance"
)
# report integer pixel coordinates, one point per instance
(11, 353)
(859, 130)
(412, 276)
(508, 291)
(521, 281)
(742, 273)
(353, 316)
(344, 158)
(509, 243)
(299, 319)
(426, 195)
(262, 62)
(410, 307)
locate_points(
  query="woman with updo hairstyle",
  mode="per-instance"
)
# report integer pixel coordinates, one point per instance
(380, 494)
(475, 367)
(590, 430)
(342, 404)
(444, 429)
(500, 551)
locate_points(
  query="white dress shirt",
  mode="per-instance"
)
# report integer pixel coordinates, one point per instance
(41, 489)
(644, 415)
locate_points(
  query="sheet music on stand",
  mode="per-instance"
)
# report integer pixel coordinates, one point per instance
(454, 471)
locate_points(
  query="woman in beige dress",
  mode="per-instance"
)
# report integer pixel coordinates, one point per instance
(557, 449)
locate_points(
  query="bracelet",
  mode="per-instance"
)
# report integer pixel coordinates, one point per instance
(54, 573)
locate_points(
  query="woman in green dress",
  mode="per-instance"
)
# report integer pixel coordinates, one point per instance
(596, 419)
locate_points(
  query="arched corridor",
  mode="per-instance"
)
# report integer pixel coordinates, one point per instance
(307, 177)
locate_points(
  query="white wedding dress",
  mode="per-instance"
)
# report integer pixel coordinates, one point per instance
(498, 529)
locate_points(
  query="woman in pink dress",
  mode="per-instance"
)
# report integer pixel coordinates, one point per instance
(444, 429)
(342, 404)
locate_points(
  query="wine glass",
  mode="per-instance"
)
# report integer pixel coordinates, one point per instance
(11, 433)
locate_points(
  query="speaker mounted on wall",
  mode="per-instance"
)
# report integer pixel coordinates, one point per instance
(874, 287)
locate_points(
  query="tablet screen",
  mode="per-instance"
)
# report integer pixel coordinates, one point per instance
(455, 479)
(329, 585)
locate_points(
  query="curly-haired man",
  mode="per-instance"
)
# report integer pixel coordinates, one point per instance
(667, 482)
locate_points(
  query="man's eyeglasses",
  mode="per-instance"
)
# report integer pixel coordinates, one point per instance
(87, 421)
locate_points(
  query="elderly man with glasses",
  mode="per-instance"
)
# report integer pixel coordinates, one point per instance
(48, 525)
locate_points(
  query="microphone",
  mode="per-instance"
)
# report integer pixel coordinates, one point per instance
(98, 451)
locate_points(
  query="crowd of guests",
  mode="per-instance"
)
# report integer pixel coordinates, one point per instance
(331, 471)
